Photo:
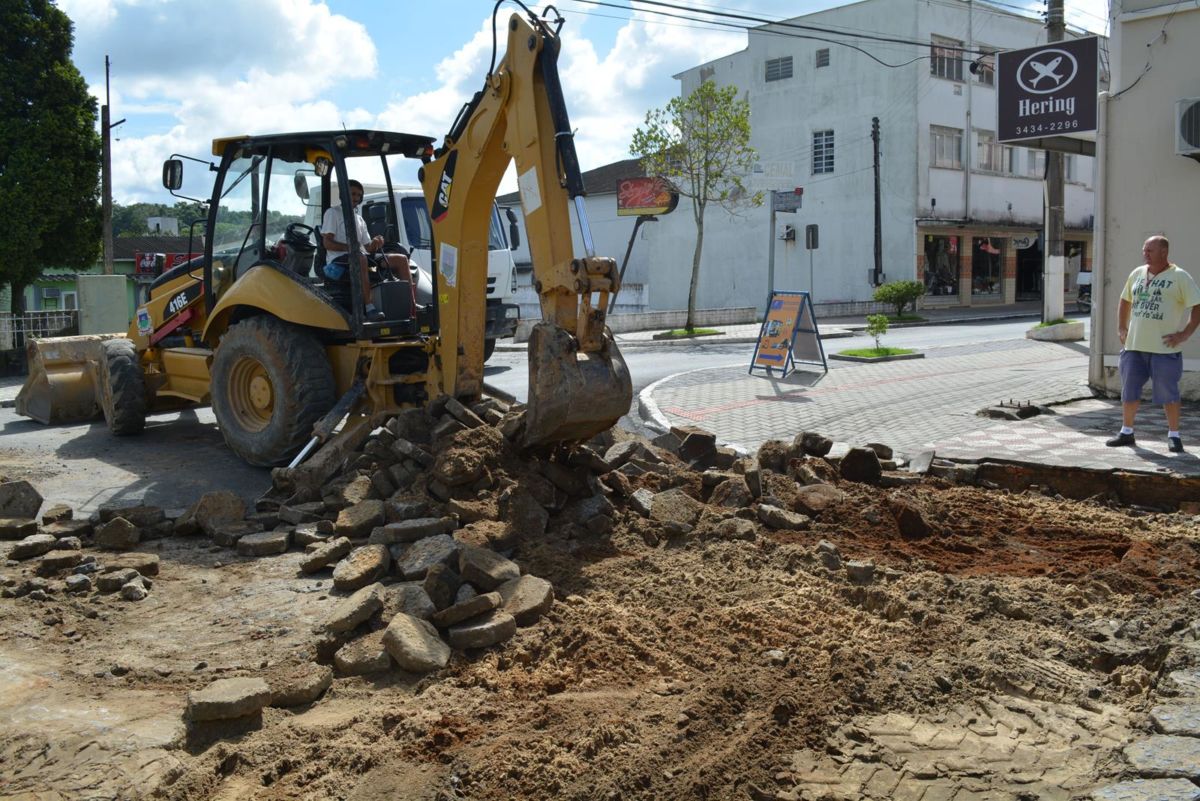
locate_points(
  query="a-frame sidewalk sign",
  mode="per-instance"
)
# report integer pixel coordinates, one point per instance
(788, 336)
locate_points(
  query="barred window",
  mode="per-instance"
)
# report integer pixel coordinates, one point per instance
(823, 57)
(945, 58)
(945, 147)
(822, 152)
(779, 69)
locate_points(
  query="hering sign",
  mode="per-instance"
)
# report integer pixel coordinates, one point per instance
(1049, 90)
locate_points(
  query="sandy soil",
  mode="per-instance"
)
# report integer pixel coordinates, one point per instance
(672, 665)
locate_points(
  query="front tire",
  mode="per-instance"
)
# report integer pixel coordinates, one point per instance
(271, 382)
(489, 347)
(122, 388)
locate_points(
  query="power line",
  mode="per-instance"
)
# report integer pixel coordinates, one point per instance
(764, 21)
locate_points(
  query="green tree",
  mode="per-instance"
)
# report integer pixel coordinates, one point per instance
(877, 326)
(49, 149)
(900, 294)
(701, 144)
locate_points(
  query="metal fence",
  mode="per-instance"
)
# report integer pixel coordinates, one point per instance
(16, 328)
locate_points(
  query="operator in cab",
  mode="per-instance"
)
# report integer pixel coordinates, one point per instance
(333, 237)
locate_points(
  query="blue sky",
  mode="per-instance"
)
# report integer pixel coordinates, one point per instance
(186, 71)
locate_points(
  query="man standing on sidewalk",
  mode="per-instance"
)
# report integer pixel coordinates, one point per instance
(1153, 304)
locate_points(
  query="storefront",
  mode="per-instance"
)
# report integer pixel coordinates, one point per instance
(978, 266)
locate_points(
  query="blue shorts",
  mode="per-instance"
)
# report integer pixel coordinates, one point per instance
(336, 269)
(1164, 369)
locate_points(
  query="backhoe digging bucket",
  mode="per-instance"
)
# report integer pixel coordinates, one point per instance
(572, 395)
(61, 387)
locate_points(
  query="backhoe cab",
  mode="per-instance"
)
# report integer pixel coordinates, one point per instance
(285, 355)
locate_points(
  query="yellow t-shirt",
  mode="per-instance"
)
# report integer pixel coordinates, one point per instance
(1159, 306)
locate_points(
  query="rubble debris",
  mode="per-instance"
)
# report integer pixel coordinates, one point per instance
(526, 598)
(356, 609)
(135, 589)
(31, 546)
(861, 465)
(57, 513)
(482, 632)
(264, 543)
(19, 499)
(226, 699)
(324, 554)
(363, 656)
(117, 534)
(361, 567)
(473, 607)
(140, 516)
(17, 528)
(300, 684)
(415, 644)
(114, 581)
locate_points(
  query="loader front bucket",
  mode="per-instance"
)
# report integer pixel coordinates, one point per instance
(61, 387)
(573, 396)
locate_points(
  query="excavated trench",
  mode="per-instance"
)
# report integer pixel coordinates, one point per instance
(721, 628)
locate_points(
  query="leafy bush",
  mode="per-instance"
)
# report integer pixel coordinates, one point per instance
(877, 326)
(900, 294)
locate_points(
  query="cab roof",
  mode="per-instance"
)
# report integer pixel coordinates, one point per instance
(359, 142)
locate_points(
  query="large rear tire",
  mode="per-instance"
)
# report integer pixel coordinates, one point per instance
(122, 388)
(271, 382)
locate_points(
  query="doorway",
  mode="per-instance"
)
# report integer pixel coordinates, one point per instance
(1029, 272)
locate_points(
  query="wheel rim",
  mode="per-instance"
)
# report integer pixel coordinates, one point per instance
(251, 395)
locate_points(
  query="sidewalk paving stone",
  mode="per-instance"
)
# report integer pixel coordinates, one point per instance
(932, 404)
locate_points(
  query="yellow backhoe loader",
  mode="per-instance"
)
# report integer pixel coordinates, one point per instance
(288, 359)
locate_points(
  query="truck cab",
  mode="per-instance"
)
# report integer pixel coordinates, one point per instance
(415, 234)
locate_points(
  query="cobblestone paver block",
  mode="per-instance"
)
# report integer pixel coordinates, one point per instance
(1175, 718)
(1149, 790)
(1165, 757)
(999, 748)
(1188, 681)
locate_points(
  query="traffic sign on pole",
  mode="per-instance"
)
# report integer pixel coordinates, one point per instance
(787, 202)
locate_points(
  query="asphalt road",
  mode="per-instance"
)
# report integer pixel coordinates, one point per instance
(651, 362)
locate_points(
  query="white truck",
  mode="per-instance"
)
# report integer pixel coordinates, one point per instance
(503, 312)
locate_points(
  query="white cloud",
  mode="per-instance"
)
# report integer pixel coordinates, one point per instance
(186, 71)
(215, 68)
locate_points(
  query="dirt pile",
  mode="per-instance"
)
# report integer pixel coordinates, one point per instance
(449, 617)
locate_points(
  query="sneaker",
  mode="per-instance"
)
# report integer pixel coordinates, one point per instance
(1121, 440)
(373, 314)
(1175, 444)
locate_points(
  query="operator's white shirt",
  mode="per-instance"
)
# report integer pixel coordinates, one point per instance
(335, 223)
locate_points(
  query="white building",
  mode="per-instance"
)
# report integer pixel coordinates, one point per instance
(958, 211)
(1147, 186)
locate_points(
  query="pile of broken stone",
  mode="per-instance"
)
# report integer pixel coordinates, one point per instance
(417, 525)
(51, 551)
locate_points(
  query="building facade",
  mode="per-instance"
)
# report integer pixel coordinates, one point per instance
(1148, 149)
(958, 211)
(57, 289)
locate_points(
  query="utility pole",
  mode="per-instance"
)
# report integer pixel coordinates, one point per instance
(106, 173)
(878, 213)
(1052, 250)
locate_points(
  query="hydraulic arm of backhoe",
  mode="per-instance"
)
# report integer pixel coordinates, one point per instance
(578, 382)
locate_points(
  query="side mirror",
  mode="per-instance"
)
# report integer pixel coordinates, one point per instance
(514, 234)
(172, 174)
(300, 182)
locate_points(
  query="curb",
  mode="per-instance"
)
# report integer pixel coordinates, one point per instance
(648, 409)
(837, 333)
